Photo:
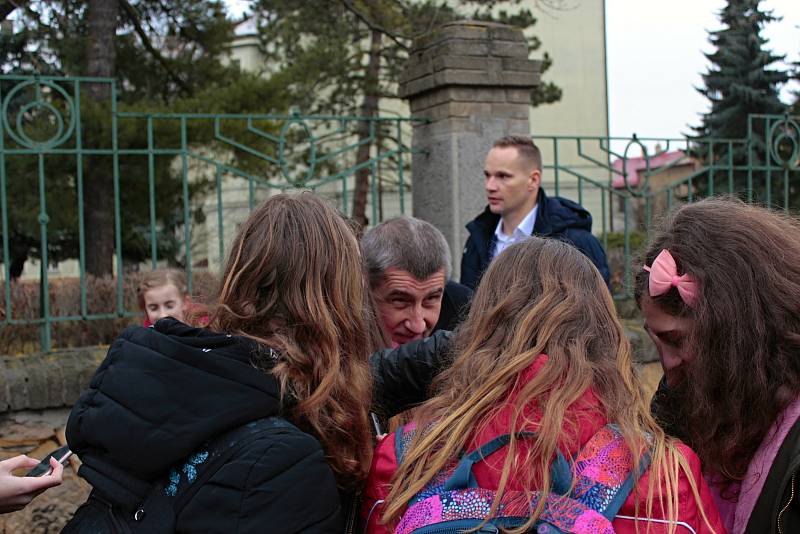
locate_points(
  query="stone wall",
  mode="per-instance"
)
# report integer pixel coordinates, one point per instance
(36, 393)
(46, 380)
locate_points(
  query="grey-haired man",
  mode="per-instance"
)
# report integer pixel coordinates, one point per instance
(409, 272)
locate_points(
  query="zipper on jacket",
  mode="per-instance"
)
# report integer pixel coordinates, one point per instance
(117, 526)
(788, 503)
(372, 511)
(354, 510)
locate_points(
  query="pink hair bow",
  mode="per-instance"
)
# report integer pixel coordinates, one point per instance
(664, 276)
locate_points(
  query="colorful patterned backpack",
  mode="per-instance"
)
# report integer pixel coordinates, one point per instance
(454, 503)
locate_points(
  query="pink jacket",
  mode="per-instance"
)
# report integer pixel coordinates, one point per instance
(487, 473)
(736, 514)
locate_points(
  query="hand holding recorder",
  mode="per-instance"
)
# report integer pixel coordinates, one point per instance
(16, 492)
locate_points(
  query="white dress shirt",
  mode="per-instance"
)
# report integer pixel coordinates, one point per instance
(520, 233)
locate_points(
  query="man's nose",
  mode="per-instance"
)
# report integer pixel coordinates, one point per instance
(491, 184)
(416, 323)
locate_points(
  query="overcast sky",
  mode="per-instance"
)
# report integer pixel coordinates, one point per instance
(655, 59)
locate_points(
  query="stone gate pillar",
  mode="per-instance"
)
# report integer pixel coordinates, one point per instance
(472, 81)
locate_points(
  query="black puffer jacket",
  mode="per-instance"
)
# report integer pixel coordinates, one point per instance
(402, 376)
(162, 392)
(778, 506)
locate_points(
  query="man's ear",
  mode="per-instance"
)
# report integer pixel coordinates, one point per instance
(534, 179)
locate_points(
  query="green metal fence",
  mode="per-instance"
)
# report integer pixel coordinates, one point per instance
(628, 183)
(181, 183)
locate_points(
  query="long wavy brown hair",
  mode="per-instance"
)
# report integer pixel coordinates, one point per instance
(295, 282)
(537, 297)
(745, 338)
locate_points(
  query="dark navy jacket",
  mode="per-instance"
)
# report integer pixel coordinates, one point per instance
(556, 217)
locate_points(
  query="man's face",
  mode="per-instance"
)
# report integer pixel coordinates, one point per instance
(408, 307)
(511, 182)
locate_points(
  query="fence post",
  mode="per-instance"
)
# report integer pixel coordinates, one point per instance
(472, 81)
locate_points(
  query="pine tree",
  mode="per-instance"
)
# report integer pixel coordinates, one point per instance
(740, 83)
(345, 57)
(167, 57)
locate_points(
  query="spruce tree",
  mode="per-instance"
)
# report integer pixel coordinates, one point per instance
(739, 83)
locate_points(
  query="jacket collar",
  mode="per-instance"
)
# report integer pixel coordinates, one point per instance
(761, 463)
(162, 391)
(542, 225)
(483, 226)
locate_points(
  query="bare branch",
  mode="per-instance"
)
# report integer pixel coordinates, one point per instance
(8, 6)
(434, 20)
(374, 26)
(137, 26)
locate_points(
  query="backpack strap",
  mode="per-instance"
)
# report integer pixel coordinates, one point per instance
(462, 477)
(221, 449)
(402, 438)
(604, 472)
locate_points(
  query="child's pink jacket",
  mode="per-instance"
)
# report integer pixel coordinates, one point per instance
(487, 473)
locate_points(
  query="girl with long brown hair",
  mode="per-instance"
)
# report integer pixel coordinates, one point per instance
(541, 351)
(295, 282)
(720, 292)
(258, 423)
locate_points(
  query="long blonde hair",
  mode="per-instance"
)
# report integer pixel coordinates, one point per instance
(538, 297)
(296, 283)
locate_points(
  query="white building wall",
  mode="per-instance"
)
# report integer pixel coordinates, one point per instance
(575, 39)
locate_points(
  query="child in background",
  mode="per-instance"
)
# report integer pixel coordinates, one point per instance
(163, 293)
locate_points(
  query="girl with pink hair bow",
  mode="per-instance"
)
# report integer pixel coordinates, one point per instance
(720, 293)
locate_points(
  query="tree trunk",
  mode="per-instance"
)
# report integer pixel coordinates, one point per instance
(20, 249)
(99, 182)
(369, 108)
